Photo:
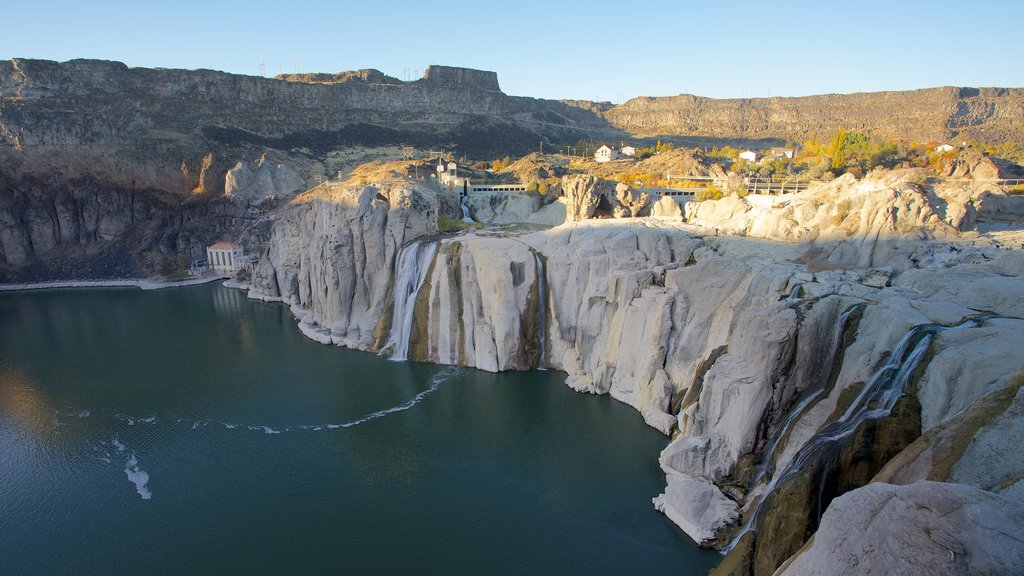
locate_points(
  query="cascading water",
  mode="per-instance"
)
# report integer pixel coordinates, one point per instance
(413, 263)
(542, 312)
(875, 401)
(465, 210)
(837, 336)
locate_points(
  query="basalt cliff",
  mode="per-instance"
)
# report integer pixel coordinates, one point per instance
(836, 371)
(854, 343)
(107, 170)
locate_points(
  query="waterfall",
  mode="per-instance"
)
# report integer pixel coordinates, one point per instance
(875, 401)
(542, 313)
(837, 336)
(463, 203)
(794, 294)
(410, 274)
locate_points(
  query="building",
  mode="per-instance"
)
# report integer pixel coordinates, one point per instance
(628, 151)
(782, 152)
(749, 155)
(606, 154)
(225, 258)
(943, 148)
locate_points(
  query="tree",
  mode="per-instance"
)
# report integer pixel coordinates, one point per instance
(837, 148)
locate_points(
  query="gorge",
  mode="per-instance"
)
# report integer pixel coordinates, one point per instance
(786, 373)
(831, 368)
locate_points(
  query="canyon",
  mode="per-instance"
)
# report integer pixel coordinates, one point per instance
(821, 363)
(790, 352)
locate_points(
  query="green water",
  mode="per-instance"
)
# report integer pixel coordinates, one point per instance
(192, 431)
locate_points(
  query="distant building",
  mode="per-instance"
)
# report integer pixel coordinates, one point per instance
(749, 155)
(606, 154)
(225, 258)
(628, 151)
(782, 152)
(943, 148)
(447, 173)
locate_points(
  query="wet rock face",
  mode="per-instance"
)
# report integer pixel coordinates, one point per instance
(794, 511)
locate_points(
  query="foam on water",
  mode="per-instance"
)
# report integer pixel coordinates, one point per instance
(435, 383)
(138, 477)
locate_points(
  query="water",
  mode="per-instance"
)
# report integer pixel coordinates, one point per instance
(192, 431)
(413, 265)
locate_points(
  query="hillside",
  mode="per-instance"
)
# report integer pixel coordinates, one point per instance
(108, 170)
(985, 114)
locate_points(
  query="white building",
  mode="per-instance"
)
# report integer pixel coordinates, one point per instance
(225, 258)
(748, 155)
(782, 152)
(628, 151)
(606, 154)
(943, 148)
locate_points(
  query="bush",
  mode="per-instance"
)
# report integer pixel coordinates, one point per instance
(708, 193)
(445, 224)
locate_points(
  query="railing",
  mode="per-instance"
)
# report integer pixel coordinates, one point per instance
(769, 186)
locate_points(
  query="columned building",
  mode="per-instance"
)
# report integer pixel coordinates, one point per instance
(224, 258)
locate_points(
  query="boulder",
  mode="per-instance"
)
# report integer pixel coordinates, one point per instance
(923, 529)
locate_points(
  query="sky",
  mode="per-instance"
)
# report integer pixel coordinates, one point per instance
(598, 50)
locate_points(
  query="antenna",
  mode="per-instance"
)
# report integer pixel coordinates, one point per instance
(263, 68)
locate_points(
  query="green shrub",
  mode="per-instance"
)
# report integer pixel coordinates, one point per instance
(708, 193)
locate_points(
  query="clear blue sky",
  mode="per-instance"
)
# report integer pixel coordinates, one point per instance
(555, 49)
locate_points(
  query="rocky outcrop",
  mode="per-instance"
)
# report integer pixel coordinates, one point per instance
(924, 528)
(332, 255)
(589, 197)
(254, 182)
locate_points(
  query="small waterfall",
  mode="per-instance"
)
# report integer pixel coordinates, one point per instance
(837, 336)
(413, 263)
(794, 294)
(542, 312)
(875, 401)
(463, 203)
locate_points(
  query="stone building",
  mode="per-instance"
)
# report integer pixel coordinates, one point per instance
(225, 258)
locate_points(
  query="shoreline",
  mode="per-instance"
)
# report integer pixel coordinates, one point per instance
(140, 283)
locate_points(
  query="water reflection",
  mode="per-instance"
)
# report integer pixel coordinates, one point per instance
(21, 401)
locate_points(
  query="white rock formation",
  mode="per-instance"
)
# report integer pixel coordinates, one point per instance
(925, 528)
(741, 348)
(333, 254)
(254, 182)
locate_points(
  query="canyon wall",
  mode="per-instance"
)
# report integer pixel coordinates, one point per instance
(175, 141)
(940, 114)
(786, 374)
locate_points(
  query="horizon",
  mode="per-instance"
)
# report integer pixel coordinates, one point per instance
(569, 51)
(423, 73)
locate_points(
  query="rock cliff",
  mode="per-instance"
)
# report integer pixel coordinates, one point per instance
(181, 139)
(788, 366)
(922, 115)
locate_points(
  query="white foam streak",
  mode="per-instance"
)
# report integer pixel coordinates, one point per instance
(138, 477)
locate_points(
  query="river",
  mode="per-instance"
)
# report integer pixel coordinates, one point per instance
(193, 431)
